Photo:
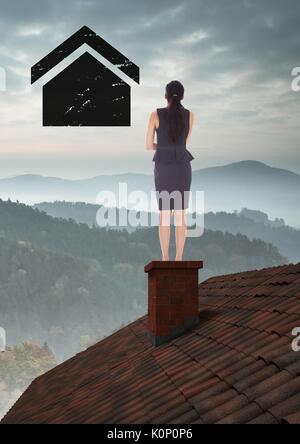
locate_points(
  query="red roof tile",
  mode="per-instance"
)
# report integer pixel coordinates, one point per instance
(264, 418)
(294, 418)
(243, 415)
(235, 366)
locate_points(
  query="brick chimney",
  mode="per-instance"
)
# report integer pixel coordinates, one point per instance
(172, 299)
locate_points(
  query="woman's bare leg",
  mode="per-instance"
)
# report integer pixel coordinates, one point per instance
(180, 233)
(164, 233)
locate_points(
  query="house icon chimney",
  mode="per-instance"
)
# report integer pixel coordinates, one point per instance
(86, 93)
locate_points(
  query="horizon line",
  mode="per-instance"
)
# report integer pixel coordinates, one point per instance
(145, 174)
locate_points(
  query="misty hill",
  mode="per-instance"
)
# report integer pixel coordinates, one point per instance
(231, 187)
(253, 224)
(63, 300)
(285, 238)
(69, 285)
(253, 185)
(86, 213)
(18, 367)
(19, 222)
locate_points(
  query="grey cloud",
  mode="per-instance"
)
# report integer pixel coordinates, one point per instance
(263, 32)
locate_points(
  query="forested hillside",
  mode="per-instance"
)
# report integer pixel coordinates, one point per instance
(69, 285)
(62, 299)
(19, 365)
(253, 224)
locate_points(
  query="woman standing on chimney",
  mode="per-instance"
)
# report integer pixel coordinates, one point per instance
(172, 172)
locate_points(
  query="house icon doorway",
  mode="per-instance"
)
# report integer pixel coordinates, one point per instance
(86, 92)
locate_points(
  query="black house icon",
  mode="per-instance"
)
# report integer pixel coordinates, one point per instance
(86, 93)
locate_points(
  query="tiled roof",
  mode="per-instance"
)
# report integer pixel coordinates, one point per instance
(236, 366)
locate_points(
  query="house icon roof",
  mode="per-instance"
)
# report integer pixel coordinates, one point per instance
(85, 35)
(86, 93)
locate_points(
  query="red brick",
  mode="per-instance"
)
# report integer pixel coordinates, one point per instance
(172, 295)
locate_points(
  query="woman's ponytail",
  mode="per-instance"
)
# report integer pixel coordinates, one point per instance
(176, 121)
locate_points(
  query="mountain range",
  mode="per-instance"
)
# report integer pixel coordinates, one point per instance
(231, 187)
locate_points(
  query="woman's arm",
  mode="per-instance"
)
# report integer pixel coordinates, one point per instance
(150, 145)
(192, 120)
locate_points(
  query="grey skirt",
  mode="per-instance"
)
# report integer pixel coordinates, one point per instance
(173, 184)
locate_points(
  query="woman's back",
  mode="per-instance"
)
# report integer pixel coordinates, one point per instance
(163, 138)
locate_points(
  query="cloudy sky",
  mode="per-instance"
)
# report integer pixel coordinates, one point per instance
(234, 58)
